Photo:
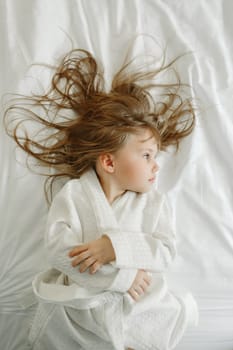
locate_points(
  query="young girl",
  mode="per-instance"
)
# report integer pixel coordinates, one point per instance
(109, 236)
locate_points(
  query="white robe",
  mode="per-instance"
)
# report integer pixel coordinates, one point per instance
(90, 312)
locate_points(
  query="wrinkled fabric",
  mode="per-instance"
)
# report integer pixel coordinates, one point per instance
(95, 311)
(198, 178)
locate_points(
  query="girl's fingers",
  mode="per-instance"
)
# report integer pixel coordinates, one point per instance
(136, 292)
(135, 295)
(140, 285)
(143, 287)
(86, 264)
(81, 257)
(77, 250)
(147, 278)
(95, 267)
(140, 290)
(146, 282)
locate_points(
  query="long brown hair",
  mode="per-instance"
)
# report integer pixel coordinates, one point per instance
(78, 119)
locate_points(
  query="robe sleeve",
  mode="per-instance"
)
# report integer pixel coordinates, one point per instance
(152, 252)
(64, 232)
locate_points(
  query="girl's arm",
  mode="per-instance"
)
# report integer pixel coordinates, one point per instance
(135, 249)
(64, 231)
(145, 251)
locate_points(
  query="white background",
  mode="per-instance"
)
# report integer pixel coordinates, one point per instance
(198, 179)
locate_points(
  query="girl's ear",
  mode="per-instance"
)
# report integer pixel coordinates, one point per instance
(106, 160)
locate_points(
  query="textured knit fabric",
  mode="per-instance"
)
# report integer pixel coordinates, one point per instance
(95, 311)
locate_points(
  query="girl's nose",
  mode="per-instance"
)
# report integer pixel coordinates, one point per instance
(155, 167)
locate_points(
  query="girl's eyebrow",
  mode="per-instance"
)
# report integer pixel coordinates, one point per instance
(150, 150)
(150, 137)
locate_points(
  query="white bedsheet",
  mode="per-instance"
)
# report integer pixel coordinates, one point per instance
(198, 179)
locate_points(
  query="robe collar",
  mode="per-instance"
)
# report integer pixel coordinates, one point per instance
(102, 209)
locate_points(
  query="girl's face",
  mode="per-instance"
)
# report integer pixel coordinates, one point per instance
(135, 166)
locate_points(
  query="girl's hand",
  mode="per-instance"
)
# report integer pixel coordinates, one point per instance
(93, 255)
(140, 284)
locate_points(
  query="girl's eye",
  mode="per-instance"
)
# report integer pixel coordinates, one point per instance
(146, 156)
